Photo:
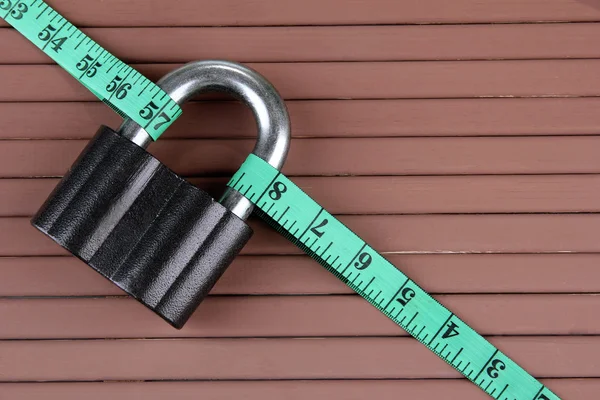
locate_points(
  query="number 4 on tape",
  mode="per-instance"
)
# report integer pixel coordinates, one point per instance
(303, 221)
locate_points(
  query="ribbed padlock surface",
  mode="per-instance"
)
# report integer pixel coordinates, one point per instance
(156, 236)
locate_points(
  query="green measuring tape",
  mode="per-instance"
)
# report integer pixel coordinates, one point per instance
(287, 208)
(308, 225)
(125, 90)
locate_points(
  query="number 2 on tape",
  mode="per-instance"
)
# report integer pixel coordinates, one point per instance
(121, 87)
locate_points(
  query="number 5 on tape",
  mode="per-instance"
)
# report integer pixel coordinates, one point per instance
(302, 220)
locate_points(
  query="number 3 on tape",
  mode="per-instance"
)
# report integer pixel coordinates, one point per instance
(303, 221)
(121, 87)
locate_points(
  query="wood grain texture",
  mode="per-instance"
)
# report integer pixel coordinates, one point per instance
(353, 80)
(320, 12)
(315, 157)
(290, 316)
(389, 194)
(574, 389)
(331, 358)
(339, 43)
(512, 233)
(460, 138)
(326, 118)
(286, 275)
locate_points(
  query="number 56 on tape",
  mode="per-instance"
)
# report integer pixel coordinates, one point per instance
(121, 87)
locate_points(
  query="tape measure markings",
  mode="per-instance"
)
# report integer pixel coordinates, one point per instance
(304, 222)
(107, 77)
(389, 290)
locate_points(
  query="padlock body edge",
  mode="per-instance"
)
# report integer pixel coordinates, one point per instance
(143, 227)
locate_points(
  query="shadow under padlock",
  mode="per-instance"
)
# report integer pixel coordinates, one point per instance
(156, 236)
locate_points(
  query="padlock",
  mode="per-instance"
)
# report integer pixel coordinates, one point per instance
(143, 227)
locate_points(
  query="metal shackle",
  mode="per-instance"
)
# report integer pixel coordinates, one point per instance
(246, 85)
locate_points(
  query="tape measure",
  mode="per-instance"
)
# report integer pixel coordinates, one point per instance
(122, 88)
(308, 225)
(287, 208)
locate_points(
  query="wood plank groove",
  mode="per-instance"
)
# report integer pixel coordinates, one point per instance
(389, 195)
(512, 233)
(320, 12)
(353, 80)
(265, 275)
(340, 43)
(314, 157)
(290, 316)
(342, 358)
(326, 118)
(573, 389)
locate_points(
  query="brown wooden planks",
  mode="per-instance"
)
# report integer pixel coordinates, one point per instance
(290, 316)
(408, 106)
(320, 12)
(512, 233)
(326, 118)
(573, 389)
(389, 194)
(354, 80)
(382, 156)
(339, 358)
(441, 273)
(340, 43)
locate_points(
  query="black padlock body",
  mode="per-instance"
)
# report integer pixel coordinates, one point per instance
(136, 222)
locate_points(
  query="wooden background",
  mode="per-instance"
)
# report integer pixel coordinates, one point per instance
(460, 137)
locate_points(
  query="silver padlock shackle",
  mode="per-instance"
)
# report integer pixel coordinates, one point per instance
(244, 84)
